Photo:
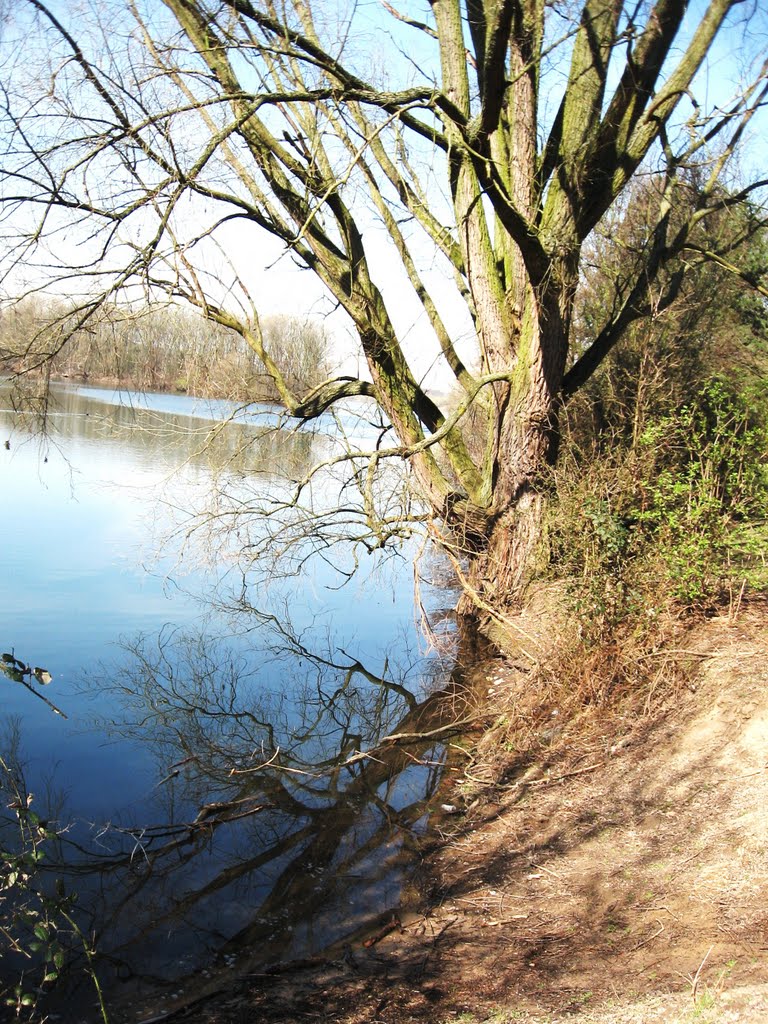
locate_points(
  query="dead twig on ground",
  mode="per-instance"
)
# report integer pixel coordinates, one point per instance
(556, 778)
(391, 925)
(694, 981)
(649, 939)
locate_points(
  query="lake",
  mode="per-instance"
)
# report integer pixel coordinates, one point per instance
(222, 677)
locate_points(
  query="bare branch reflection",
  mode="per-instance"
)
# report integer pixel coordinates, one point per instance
(291, 785)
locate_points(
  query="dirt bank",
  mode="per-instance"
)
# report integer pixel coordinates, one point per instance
(608, 867)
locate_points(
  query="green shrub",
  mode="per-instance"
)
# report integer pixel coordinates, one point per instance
(704, 492)
(676, 516)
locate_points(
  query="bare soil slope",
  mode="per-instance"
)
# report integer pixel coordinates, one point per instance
(616, 871)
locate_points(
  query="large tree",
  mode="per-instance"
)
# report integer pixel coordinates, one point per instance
(488, 138)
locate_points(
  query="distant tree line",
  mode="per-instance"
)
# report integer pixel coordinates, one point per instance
(161, 348)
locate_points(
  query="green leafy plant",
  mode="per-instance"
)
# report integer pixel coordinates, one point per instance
(704, 491)
(36, 927)
(674, 516)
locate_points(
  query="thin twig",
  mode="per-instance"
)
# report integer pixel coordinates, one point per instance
(398, 737)
(695, 981)
(557, 778)
(41, 697)
(649, 939)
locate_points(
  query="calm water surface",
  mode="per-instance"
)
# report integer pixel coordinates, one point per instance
(202, 778)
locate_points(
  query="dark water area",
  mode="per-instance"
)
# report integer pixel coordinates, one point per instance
(217, 787)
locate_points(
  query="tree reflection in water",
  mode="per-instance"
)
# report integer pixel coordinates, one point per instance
(281, 812)
(292, 786)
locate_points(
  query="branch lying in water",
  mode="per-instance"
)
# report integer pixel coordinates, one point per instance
(16, 670)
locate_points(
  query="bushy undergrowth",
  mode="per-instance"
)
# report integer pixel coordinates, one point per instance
(672, 516)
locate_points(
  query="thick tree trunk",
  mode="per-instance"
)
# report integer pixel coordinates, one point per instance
(496, 576)
(503, 549)
(506, 556)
